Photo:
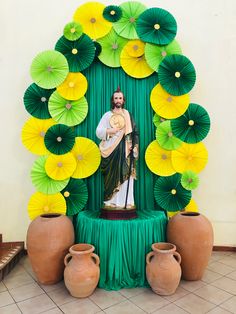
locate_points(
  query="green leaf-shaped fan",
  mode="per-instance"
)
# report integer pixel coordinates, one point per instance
(156, 26)
(157, 120)
(76, 196)
(79, 53)
(36, 101)
(112, 13)
(49, 69)
(126, 26)
(42, 182)
(177, 74)
(189, 180)
(155, 54)
(169, 193)
(166, 138)
(66, 111)
(59, 139)
(112, 45)
(193, 126)
(72, 31)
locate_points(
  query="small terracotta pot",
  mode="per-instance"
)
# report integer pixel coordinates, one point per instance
(163, 269)
(82, 271)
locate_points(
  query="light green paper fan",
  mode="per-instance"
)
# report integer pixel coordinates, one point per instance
(157, 120)
(189, 180)
(42, 182)
(166, 138)
(72, 31)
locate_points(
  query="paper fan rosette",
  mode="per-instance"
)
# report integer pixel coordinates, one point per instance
(74, 87)
(40, 204)
(155, 54)
(79, 53)
(112, 45)
(169, 193)
(60, 167)
(189, 180)
(177, 74)
(126, 26)
(87, 156)
(167, 105)
(112, 13)
(36, 101)
(59, 139)
(90, 16)
(157, 120)
(33, 133)
(193, 126)
(67, 112)
(49, 69)
(190, 157)
(191, 207)
(76, 196)
(72, 31)
(158, 160)
(42, 182)
(157, 26)
(166, 138)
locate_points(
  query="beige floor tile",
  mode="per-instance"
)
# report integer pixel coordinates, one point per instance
(171, 309)
(83, 306)
(129, 293)
(10, 309)
(232, 275)
(229, 261)
(2, 287)
(191, 285)
(18, 280)
(53, 311)
(226, 284)
(194, 304)
(125, 307)
(17, 270)
(5, 298)
(213, 294)
(179, 293)
(36, 305)
(61, 296)
(221, 253)
(220, 268)
(218, 310)
(230, 305)
(149, 301)
(49, 288)
(105, 299)
(210, 276)
(25, 292)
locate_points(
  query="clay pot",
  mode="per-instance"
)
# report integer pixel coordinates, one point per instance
(82, 271)
(192, 234)
(49, 237)
(163, 269)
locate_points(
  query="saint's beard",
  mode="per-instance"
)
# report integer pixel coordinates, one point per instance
(118, 105)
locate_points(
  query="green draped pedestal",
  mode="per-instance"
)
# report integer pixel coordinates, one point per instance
(122, 245)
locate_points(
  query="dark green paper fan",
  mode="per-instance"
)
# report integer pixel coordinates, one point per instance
(156, 26)
(59, 139)
(177, 74)
(112, 13)
(169, 193)
(76, 196)
(189, 180)
(36, 101)
(79, 53)
(157, 120)
(98, 49)
(193, 126)
(72, 31)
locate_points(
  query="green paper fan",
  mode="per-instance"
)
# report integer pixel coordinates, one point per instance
(112, 13)
(193, 126)
(112, 45)
(169, 193)
(67, 112)
(72, 31)
(98, 49)
(36, 101)
(126, 26)
(42, 182)
(189, 180)
(49, 69)
(156, 26)
(155, 54)
(79, 53)
(76, 196)
(165, 137)
(59, 139)
(157, 120)
(177, 74)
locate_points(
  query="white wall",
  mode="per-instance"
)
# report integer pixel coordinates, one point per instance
(206, 32)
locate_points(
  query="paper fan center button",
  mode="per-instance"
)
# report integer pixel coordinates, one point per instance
(93, 20)
(157, 26)
(66, 194)
(177, 74)
(170, 134)
(59, 139)
(163, 156)
(59, 164)
(173, 191)
(80, 157)
(169, 99)
(132, 19)
(74, 51)
(49, 69)
(42, 133)
(163, 53)
(135, 47)
(191, 122)
(46, 209)
(72, 30)
(113, 12)
(68, 106)
(114, 46)
(71, 84)
(43, 99)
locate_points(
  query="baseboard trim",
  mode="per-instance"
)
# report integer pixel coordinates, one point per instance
(224, 248)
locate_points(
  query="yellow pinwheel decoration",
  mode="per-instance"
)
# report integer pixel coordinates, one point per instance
(60, 167)
(74, 87)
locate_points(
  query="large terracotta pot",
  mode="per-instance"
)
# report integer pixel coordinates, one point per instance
(82, 271)
(163, 269)
(49, 237)
(192, 234)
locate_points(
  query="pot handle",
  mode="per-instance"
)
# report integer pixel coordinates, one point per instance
(149, 256)
(177, 256)
(96, 258)
(66, 259)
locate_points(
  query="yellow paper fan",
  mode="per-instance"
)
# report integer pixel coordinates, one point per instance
(40, 204)
(167, 105)
(90, 16)
(74, 87)
(88, 157)
(32, 135)
(158, 160)
(135, 48)
(60, 167)
(190, 157)
(191, 207)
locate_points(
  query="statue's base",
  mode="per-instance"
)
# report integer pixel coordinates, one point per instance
(118, 214)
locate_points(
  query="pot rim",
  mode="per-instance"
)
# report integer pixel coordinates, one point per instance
(81, 248)
(51, 215)
(163, 247)
(190, 214)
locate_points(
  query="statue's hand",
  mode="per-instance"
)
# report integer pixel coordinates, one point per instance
(112, 131)
(135, 152)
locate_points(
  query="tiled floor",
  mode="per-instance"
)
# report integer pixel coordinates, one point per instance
(214, 294)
